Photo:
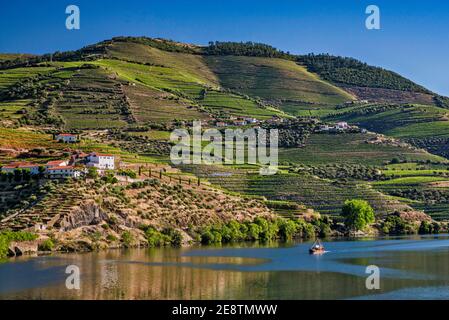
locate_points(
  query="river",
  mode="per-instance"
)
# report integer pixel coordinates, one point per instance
(410, 268)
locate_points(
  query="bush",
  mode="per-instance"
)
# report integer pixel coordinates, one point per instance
(47, 245)
(254, 231)
(395, 225)
(427, 227)
(127, 239)
(8, 236)
(92, 173)
(4, 243)
(358, 214)
(305, 230)
(287, 229)
(207, 237)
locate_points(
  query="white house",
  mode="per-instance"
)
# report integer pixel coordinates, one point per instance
(251, 120)
(342, 125)
(240, 123)
(221, 124)
(101, 161)
(32, 167)
(66, 138)
(61, 172)
(56, 163)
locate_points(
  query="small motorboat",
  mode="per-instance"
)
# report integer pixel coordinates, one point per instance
(317, 247)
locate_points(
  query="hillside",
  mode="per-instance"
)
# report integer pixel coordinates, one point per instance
(125, 96)
(366, 82)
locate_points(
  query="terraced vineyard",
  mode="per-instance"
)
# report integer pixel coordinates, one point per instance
(424, 188)
(350, 148)
(50, 211)
(325, 196)
(402, 121)
(93, 99)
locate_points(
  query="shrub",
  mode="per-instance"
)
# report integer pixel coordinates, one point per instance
(92, 173)
(47, 245)
(305, 230)
(111, 237)
(287, 229)
(358, 214)
(427, 227)
(127, 239)
(254, 231)
(395, 225)
(207, 237)
(8, 236)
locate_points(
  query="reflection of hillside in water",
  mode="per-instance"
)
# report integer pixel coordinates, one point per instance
(234, 273)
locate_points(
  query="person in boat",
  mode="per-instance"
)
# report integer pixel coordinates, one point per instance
(317, 247)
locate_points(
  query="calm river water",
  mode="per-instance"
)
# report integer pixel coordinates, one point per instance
(410, 268)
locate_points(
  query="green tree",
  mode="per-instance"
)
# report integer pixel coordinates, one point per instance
(92, 173)
(358, 214)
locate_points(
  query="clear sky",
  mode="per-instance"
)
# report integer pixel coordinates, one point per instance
(413, 40)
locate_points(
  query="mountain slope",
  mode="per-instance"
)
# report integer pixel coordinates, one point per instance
(366, 82)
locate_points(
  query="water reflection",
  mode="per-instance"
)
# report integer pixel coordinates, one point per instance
(244, 272)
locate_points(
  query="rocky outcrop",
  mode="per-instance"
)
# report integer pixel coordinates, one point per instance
(88, 213)
(414, 216)
(22, 248)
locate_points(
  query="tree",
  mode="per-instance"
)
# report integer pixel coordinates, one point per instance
(358, 214)
(92, 173)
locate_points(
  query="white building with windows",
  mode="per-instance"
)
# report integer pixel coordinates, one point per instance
(251, 120)
(62, 172)
(342, 125)
(67, 138)
(101, 161)
(56, 163)
(32, 167)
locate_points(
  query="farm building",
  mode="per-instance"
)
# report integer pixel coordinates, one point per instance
(56, 163)
(251, 120)
(101, 161)
(61, 172)
(240, 123)
(66, 138)
(32, 167)
(221, 124)
(342, 125)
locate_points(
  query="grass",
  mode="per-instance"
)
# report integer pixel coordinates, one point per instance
(194, 65)
(236, 105)
(153, 134)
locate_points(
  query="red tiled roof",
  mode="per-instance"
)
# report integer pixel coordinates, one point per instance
(101, 154)
(20, 165)
(66, 135)
(62, 168)
(55, 162)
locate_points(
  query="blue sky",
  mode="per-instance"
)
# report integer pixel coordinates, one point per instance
(413, 40)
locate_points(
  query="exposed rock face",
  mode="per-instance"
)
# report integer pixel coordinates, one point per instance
(414, 216)
(88, 213)
(22, 248)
